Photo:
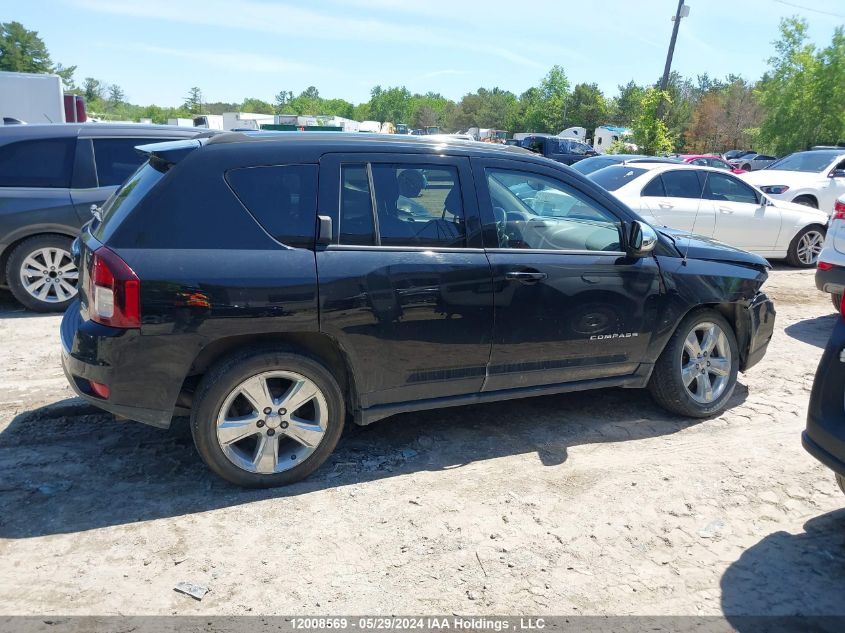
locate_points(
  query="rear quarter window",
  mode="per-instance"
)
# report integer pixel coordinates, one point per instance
(44, 163)
(121, 203)
(281, 198)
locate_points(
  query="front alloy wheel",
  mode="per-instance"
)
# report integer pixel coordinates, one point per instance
(805, 248)
(706, 362)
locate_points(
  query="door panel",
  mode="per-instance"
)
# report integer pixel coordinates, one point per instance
(414, 321)
(569, 305)
(741, 218)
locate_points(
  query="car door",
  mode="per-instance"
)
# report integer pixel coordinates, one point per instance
(674, 198)
(742, 218)
(569, 305)
(405, 284)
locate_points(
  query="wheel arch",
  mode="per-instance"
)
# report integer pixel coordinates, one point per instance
(316, 345)
(37, 231)
(806, 194)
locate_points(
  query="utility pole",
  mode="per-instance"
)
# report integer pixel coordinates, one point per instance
(682, 12)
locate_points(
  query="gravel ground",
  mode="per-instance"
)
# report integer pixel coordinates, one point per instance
(589, 503)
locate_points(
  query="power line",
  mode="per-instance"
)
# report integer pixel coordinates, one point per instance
(800, 6)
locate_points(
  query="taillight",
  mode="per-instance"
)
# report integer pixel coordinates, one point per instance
(823, 265)
(114, 291)
(838, 211)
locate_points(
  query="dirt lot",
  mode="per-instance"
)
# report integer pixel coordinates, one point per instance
(593, 503)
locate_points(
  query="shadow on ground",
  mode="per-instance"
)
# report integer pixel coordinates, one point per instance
(67, 472)
(814, 331)
(790, 574)
(11, 308)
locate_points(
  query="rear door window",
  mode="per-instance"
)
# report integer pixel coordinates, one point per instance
(282, 199)
(682, 184)
(357, 227)
(44, 163)
(117, 159)
(655, 188)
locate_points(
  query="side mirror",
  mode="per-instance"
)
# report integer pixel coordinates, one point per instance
(837, 173)
(641, 239)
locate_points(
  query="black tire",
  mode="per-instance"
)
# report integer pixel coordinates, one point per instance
(746, 167)
(807, 201)
(840, 479)
(792, 252)
(33, 246)
(224, 377)
(666, 384)
(837, 301)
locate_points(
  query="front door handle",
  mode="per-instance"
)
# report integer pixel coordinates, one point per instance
(666, 205)
(525, 277)
(725, 210)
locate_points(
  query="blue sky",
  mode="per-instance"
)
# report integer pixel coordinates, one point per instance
(232, 49)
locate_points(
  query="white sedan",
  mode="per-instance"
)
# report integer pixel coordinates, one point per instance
(717, 204)
(815, 178)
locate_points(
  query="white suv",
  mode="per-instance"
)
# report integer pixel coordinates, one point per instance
(815, 178)
(830, 271)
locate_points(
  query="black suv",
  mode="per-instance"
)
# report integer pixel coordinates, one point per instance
(50, 175)
(563, 150)
(271, 285)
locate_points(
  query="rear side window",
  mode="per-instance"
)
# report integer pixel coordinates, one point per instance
(282, 198)
(616, 176)
(655, 188)
(682, 184)
(117, 158)
(39, 163)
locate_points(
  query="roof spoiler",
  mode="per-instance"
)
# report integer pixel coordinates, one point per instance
(164, 155)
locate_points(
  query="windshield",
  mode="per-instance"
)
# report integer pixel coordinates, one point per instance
(807, 161)
(615, 176)
(589, 165)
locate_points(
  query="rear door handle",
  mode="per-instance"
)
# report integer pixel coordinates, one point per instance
(725, 210)
(666, 205)
(525, 277)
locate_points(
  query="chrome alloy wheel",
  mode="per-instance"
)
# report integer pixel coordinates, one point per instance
(49, 275)
(809, 247)
(272, 422)
(706, 362)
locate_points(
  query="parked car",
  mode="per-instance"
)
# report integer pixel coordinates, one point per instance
(830, 269)
(714, 203)
(50, 177)
(563, 150)
(733, 154)
(709, 160)
(814, 178)
(824, 437)
(268, 323)
(594, 163)
(753, 162)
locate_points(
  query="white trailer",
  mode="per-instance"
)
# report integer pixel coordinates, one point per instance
(578, 133)
(246, 120)
(210, 121)
(31, 98)
(181, 122)
(607, 135)
(372, 127)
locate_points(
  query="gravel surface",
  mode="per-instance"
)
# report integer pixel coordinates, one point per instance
(589, 503)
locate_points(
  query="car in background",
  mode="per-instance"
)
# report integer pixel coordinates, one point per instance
(716, 204)
(269, 316)
(50, 177)
(815, 178)
(824, 435)
(594, 163)
(733, 154)
(830, 269)
(562, 150)
(753, 162)
(709, 160)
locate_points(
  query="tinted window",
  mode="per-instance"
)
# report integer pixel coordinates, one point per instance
(41, 163)
(655, 188)
(282, 198)
(117, 158)
(806, 161)
(122, 201)
(682, 184)
(418, 205)
(594, 163)
(356, 207)
(533, 211)
(611, 178)
(728, 189)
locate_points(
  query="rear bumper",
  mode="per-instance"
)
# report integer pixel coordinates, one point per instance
(93, 352)
(832, 280)
(824, 437)
(761, 327)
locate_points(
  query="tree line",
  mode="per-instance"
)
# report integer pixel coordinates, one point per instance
(799, 101)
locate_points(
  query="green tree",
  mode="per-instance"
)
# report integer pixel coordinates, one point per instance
(23, 51)
(651, 133)
(256, 106)
(92, 89)
(624, 109)
(193, 102)
(392, 104)
(554, 96)
(283, 98)
(116, 95)
(587, 107)
(484, 109)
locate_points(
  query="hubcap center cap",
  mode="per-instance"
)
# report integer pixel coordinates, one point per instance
(273, 420)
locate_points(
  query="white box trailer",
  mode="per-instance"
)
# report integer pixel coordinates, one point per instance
(181, 122)
(246, 120)
(210, 121)
(31, 97)
(607, 135)
(578, 133)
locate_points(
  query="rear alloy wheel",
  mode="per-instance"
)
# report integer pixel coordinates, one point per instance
(696, 374)
(41, 273)
(267, 419)
(837, 301)
(805, 248)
